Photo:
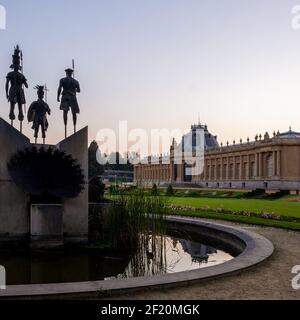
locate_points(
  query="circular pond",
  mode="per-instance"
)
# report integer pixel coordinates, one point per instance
(168, 254)
(200, 251)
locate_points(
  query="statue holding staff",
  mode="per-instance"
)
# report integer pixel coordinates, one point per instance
(15, 81)
(68, 88)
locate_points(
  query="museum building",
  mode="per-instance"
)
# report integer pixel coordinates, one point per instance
(271, 163)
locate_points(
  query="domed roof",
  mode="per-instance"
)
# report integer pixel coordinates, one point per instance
(195, 136)
(211, 141)
(289, 135)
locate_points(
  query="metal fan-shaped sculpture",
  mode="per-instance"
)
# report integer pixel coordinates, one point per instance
(47, 172)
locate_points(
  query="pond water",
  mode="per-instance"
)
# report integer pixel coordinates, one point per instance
(164, 255)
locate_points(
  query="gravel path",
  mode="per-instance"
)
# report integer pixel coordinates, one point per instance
(271, 280)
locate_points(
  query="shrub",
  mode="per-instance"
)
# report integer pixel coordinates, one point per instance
(170, 191)
(96, 190)
(114, 190)
(154, 191)
(256, 193)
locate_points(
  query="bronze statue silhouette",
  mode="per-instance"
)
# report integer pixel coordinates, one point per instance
(15, 81)
(37, 114)
(68, 88)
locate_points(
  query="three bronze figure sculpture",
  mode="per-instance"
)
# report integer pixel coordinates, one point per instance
(38, 110)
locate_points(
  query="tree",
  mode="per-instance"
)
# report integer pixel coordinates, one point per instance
(96, 190)
(95, 169)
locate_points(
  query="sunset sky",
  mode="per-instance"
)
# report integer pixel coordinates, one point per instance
(157, 64)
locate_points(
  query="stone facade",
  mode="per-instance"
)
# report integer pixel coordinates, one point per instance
(266, 163)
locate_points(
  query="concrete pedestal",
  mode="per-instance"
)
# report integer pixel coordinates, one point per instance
(46, 222)
(14, 222)
(76, 219)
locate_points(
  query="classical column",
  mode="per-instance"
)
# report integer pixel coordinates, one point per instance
(216, 168)
(234, 168)
(241, 167)
(279, 163)
(221, 171)
(274, 163)
(262, 165)
(256, 165)
(248, 175)
(260, 171)
(227, 168)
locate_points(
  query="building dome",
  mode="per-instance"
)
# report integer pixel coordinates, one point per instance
(195, 137)
(289, 135)
(211, 141)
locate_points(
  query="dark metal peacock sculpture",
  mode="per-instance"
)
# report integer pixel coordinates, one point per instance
(47, 173)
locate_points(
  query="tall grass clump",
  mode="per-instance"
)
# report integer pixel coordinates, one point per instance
(170, 191)
(136, 218)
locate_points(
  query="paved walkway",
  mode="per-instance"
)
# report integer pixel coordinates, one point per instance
(271, 280)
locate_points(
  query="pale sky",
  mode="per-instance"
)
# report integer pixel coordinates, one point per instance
(158, 63)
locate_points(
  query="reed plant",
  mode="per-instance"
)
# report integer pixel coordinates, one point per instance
(135, 218)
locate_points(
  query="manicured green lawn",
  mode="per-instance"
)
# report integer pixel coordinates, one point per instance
(282, 207)
(241, 219)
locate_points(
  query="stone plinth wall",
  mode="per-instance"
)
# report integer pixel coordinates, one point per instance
(46, 221)
(14, 203)
(76, 210)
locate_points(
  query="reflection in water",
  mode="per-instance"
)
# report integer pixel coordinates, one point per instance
(154, 256)
(165, 255)
(200, 253)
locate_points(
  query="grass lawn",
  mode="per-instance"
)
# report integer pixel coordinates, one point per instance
(283, 207)
(234, 209)
(241, 219)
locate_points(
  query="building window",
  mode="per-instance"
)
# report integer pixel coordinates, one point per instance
(225, 172)
(237, 171)
(219, 172)
(213, 172)
(230, 171)
(244, 185)
(270, 166)
(245, 169)
(252, 170)
(230, 185)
